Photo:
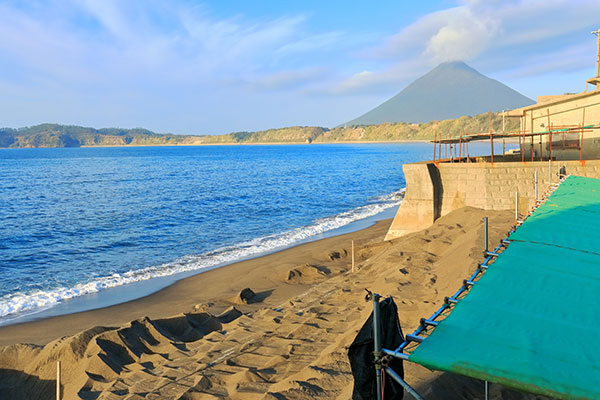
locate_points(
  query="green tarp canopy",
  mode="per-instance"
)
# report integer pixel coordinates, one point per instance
(532, 322)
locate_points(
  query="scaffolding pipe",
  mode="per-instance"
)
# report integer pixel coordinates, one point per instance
(377, 344)
(549, 172)
(401, 381)
(394, 353)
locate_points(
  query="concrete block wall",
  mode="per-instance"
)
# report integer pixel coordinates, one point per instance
(436, 189)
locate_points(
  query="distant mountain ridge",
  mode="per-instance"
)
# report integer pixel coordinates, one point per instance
(451, 90)
(55, 135)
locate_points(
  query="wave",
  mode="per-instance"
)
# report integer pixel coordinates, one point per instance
(14, 305)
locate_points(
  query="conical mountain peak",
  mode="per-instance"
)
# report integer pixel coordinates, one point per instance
(450, 90)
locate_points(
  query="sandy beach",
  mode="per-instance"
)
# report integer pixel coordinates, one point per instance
(198, 339)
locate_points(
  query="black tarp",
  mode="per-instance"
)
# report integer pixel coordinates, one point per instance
(361, 357)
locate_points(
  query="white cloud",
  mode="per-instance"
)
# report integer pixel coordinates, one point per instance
(514, 35)
(463, 36)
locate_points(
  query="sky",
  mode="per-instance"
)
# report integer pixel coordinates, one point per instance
(217, 66)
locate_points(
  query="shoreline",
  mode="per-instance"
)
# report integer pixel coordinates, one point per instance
(182, 295)
(135, 290)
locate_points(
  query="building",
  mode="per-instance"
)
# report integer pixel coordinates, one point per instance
(562, 127)
(557, 132)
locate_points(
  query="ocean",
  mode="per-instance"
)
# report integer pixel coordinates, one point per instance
(83, 228)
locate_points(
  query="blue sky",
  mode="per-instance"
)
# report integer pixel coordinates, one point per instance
(204, 67)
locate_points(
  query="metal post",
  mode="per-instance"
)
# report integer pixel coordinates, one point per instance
(434, 143)
(523, 125)
(491, 138)
(549, 172)
(405, 385)
(597, 33)
(516, 206)
(58, 380)
(536, 185)
(486, 390)
(377, 344)
(468, 156)
(549, 134)
(485, 235)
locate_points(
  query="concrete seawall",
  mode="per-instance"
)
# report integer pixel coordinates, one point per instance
(436, 189)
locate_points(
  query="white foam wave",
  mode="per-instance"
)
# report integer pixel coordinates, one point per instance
(19, 303)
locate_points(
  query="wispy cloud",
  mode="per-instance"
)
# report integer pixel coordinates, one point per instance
(289, 79)
(167, 42)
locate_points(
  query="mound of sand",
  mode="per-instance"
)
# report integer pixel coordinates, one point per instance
(307, 273)
(293, 349)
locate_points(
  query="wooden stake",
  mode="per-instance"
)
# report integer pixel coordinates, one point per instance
(58, 380)
(353, 256)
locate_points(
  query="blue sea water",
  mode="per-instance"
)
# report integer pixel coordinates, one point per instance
(76, 222)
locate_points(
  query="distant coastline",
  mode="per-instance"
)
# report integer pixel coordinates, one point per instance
(263, 143)
(55, 135)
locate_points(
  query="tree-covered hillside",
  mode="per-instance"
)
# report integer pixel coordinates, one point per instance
(55, 135)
